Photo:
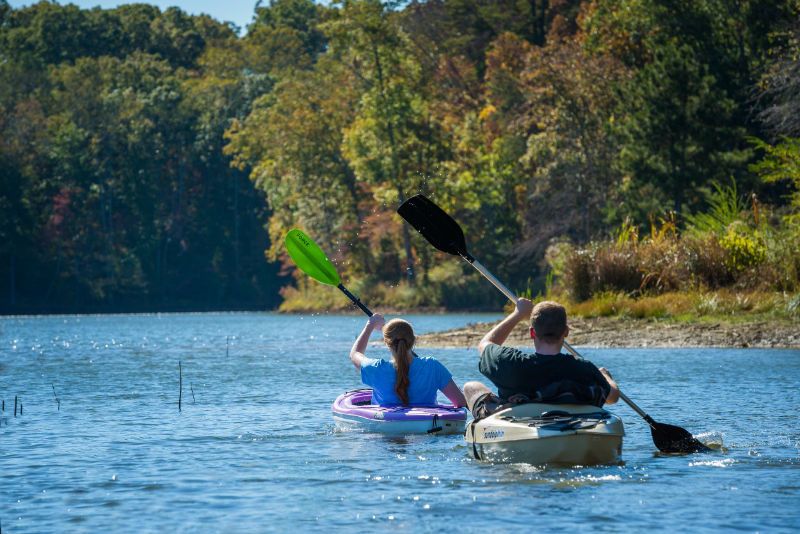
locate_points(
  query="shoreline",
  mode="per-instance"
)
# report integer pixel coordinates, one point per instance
(599, 332)
(611, 332)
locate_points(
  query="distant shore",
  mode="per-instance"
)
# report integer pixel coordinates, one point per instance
(619, 332)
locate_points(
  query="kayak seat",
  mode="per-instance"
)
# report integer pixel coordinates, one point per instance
(552, 414)
(558, 420)
(569, 424)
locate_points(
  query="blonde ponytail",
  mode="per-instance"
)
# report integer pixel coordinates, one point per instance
(401, 365)
(399, 336)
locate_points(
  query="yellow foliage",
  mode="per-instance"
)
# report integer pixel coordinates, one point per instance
(743, 250)
(487, 112)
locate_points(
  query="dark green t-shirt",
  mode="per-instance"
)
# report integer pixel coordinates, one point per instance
(556, 378)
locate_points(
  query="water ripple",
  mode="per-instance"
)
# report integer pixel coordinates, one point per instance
(257, 450)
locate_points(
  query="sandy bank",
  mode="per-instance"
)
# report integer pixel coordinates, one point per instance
(615, 332)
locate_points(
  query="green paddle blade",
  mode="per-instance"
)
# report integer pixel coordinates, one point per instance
(310, 259)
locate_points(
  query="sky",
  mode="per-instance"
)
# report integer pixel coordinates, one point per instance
(240, 12)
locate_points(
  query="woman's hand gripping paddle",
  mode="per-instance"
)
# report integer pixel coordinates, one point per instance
(310, 259)
(444, 233)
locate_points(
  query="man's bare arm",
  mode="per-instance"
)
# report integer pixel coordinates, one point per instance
(613, 396)
(501, 331)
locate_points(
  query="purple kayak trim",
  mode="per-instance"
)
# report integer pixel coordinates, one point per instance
(356, 404)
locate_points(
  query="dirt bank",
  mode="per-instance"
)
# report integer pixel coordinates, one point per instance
(615, 332)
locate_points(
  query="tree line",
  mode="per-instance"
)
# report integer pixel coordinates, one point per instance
(149, 159)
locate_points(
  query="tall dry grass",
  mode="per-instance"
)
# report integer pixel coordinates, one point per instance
(723, 303)
(742, 256)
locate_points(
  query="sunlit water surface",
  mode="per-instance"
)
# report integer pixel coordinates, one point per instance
(254, 448)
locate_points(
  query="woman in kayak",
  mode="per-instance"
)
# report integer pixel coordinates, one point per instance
(408, 379)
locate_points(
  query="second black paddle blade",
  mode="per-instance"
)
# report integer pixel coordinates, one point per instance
(674, 439)
(435, 225)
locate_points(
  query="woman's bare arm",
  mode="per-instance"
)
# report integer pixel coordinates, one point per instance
(453, 392)
(360, 346)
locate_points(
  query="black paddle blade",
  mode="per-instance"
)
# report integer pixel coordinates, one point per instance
(674, 439)
(435, 225)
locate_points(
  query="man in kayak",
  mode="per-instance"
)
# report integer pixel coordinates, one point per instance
(545, 376)
(407, 379)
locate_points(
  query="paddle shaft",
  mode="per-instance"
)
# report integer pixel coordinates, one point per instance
(355, 300)
(489, 276)
(622, 396)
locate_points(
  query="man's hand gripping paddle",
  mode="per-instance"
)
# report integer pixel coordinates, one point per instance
(444, 233)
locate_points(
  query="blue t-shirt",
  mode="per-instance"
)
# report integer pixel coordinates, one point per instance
(426, 376)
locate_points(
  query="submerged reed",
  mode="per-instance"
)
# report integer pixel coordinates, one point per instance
(180, 385)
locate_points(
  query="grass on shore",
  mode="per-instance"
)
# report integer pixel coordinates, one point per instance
(310, 296)
(691, 306)
(724, 305)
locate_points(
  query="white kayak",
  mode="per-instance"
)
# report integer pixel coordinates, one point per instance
(534, 433)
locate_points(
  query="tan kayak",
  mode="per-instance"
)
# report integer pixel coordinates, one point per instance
(563, 434)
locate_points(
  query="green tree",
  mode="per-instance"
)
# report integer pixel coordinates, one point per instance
(117, 190)
(571, 147)
(391, 143)
(292, 142)
(685, 113)
(298, 19)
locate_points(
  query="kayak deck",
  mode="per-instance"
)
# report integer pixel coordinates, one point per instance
(352, 411)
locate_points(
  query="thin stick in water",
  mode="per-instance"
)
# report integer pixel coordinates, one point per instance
(180, 385)
(191, 387)
(58, 401)
(15, 405)
(227, 345)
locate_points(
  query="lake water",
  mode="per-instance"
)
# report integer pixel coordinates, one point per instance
(254, 448)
